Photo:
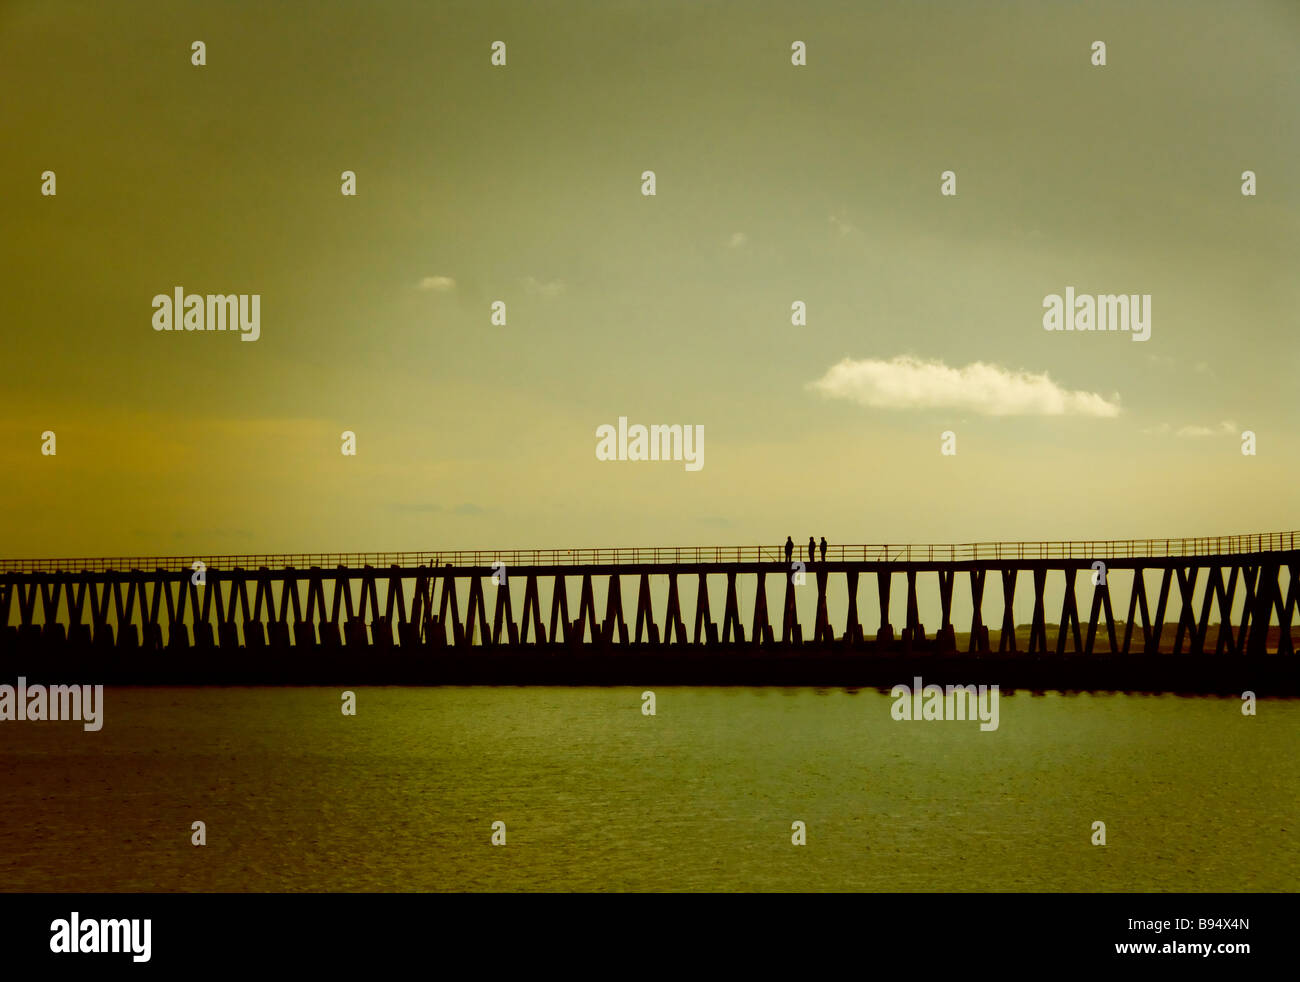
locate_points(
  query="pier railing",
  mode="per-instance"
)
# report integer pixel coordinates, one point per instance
(1103, 549)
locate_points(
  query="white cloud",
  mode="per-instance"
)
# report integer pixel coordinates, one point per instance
(552, 288)
(906, 382)
(441, 284)
(738, 239)
(1227, 426)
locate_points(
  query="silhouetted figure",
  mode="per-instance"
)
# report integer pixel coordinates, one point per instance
(812, 550)
(789, 549)
(823, 548)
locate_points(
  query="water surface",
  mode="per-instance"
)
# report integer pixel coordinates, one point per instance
(597, 796)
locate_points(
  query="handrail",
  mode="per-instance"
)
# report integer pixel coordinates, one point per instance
(950, 552)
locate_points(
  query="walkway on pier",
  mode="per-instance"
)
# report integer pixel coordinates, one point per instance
(965, 552)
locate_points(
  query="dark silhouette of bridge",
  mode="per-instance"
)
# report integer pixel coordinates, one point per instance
(319, 617)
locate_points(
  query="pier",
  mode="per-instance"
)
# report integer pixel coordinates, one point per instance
(1193, 614)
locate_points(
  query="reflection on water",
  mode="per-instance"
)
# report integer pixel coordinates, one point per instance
(597, 796)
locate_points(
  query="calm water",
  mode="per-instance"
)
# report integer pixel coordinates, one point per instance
(596, 796)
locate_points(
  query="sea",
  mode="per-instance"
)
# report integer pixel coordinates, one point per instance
(648, 789)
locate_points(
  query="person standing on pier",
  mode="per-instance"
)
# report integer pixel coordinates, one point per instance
(823, 548)
(789, 549)
(812, 550)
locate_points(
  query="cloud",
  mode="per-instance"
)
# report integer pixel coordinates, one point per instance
(440, 284)
(553, 288)
(845, 227)
(737, 240)
(910, 383)
(1227, 426)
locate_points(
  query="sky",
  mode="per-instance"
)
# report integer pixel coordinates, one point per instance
(522, 183)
